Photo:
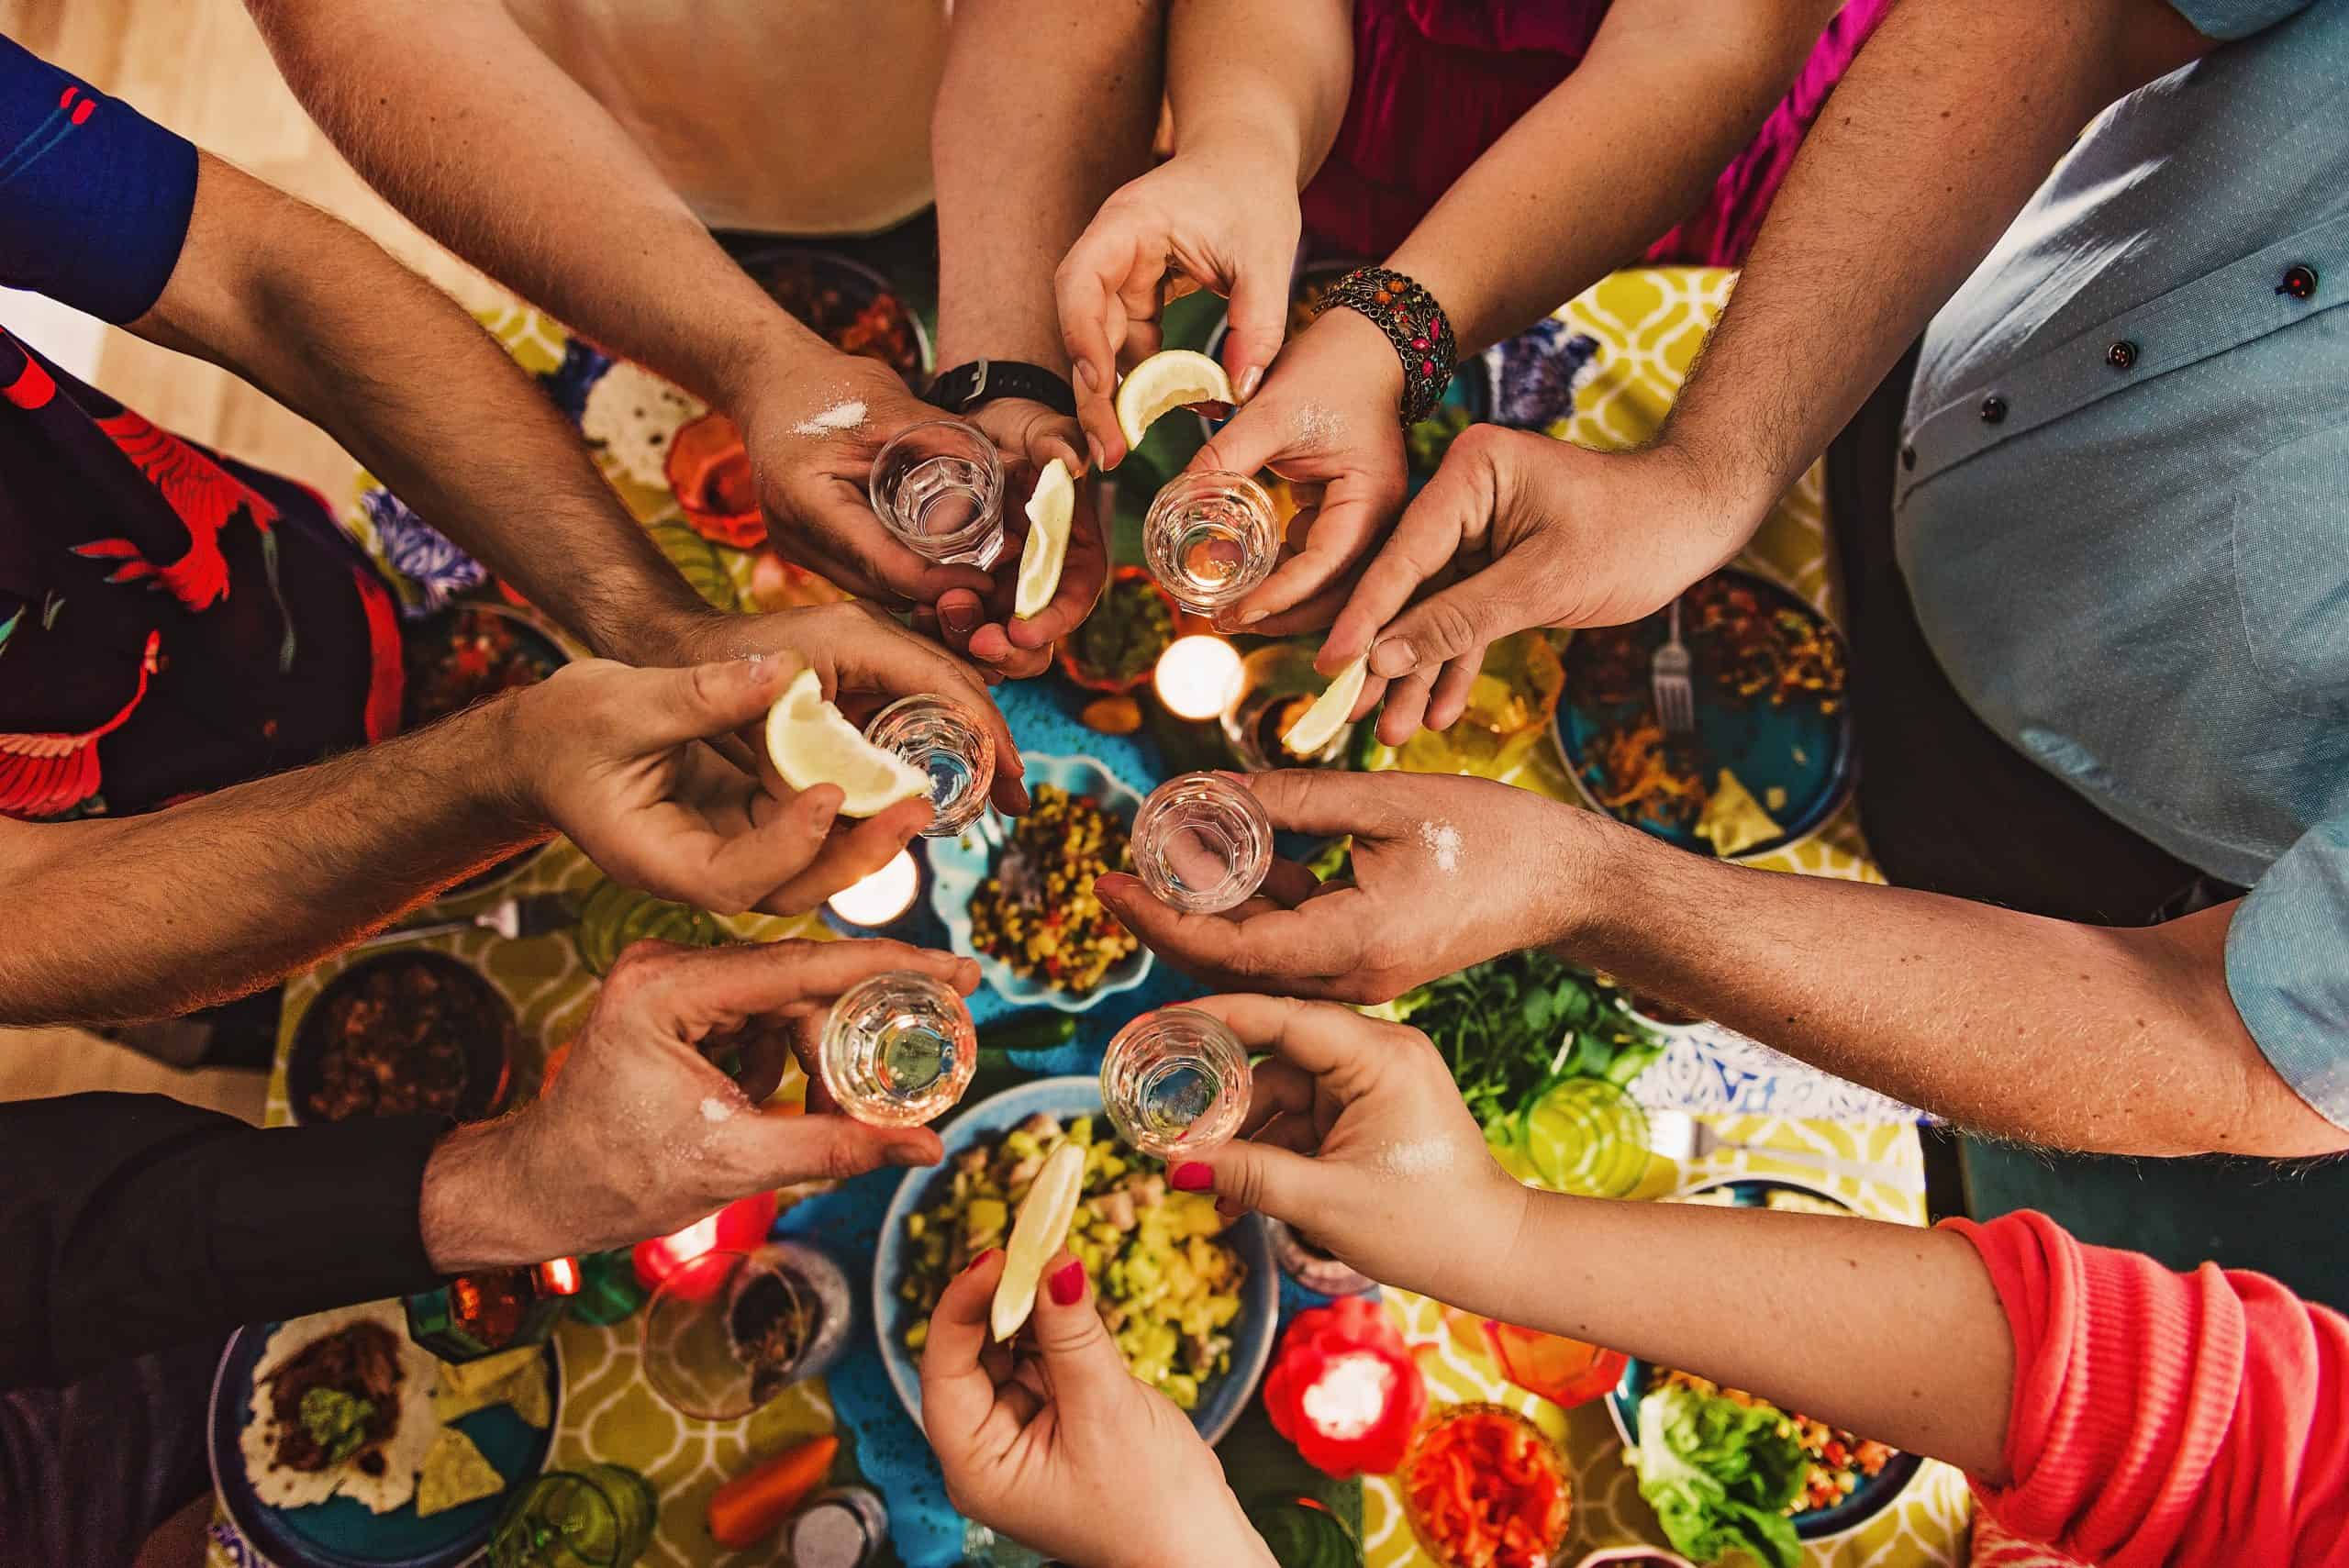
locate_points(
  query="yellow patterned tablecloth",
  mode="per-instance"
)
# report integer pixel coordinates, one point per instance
(1650, 325)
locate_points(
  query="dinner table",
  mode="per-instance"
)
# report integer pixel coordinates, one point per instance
(1628, 342)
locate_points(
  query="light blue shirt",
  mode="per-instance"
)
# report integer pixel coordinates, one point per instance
(2122, 507)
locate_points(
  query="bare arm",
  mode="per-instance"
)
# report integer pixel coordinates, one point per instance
(2121, 1041)
(1625, 147)
(1946, 123)
(324, 321)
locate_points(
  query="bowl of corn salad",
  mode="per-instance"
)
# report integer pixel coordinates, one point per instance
(1016, 894)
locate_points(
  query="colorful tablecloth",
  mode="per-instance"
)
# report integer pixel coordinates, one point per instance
(1646, 327)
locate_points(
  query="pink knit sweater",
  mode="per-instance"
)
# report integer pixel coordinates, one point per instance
(2166, 1418)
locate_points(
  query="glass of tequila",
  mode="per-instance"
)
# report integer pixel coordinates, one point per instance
(1176, 1082)
(898, 1049)
(941, 738)
(1202, 843)
(938, 486)
(1209, 537)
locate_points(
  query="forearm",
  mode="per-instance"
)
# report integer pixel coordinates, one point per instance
(1922, 1357)
(495, 151)
(1620, 150)
(2082, 1037)
(119, 918)
(1273, 79)
(1946, 122)
(325, 322)
(1045, 109)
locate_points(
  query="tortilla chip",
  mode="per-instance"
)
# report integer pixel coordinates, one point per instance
(471, 1377)
(402, 1452)
(530, 1398)
(524, 1387)
(1734, 820)
(454, 1473)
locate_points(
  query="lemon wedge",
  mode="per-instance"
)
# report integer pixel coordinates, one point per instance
(1051, 510)
(1318, 725)
(1168, 380)
(1044, 1218)
(812, 744)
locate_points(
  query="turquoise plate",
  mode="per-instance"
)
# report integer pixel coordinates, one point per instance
(958, 865)
(340, 1533)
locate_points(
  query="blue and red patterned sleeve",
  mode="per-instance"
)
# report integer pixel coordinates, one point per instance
(94, 197)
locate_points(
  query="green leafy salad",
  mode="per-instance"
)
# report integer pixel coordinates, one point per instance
(1721, 1476)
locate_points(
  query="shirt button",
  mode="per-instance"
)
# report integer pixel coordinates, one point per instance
(1907, 457)
(2121, 355)
(2300, 282)
(1994, 410)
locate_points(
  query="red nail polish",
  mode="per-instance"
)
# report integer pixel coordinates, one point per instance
(1191, 1176)
(1068, 1284)
(982, 1257)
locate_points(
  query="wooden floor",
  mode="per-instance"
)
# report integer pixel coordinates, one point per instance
(199, 66)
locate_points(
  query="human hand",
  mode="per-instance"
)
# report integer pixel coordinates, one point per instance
(1325, 421)
(1217, 217)
(640, 1135)
(813, 465)
(1030, 436)
(1051, 1441)
(1447, 872)
(1356, 1135)
(865, 660)
(1519, 530)
(614, 757)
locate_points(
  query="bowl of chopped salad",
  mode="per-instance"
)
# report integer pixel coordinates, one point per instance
(1017, 894)
(1191, 1300)
(1725, 1468)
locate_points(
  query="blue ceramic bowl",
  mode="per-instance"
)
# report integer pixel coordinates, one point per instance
(1874, 1494)
(1221, 1400)
(341, 1533)
(1796, 748)
(958, 865)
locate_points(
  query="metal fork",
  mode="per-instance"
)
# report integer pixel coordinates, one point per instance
(1677, 1135)
(1675, 695)
(530, 915)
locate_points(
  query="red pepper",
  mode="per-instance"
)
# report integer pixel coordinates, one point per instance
(1350, 1326)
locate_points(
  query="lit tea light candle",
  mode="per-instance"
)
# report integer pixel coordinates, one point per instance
(877, 899)
(1197, 676)
(739, 1227)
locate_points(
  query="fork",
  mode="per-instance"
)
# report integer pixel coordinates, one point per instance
(530, 915)
(1677, 1135)
(1676, 696)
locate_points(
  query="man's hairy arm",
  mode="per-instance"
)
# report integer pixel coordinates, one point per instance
(2116, 1040)
(1946, 123)
(112, 919)
(328, 325)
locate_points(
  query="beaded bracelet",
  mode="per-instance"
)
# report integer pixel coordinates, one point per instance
(1412, 321)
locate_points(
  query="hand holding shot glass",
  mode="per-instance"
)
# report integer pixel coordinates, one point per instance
(1202, 843)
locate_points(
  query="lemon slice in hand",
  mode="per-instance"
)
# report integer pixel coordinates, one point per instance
(1318, 725)
(1051, 510)
(812, 744)
(1168, 380)
(1044, 1218)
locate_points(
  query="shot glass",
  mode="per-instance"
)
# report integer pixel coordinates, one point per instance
(1174, 1082)
(1202, 843)
(898, 1049)
(1209, 537)
(938, 486)
(941, 738)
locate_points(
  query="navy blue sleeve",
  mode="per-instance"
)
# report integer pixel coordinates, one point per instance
(94, 197)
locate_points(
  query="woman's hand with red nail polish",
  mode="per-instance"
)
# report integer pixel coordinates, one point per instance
(1051, 1441)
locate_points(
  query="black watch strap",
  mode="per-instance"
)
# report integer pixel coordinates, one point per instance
(966, 387)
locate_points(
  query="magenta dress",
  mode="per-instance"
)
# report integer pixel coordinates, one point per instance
(1437, 82)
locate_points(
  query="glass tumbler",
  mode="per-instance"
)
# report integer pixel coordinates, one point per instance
(1209, 537)
(1202, 843)
(941, 738)
(938, 486)
(1176, 1082)
(599, 1516)
(898, 1049)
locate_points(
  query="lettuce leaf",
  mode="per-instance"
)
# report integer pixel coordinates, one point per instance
(1720, 1476)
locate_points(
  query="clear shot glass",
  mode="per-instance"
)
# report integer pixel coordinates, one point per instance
(1209, 537)
(938, 486)
(944, 739)
(1202, 843)
(898, 1049)
(1176, 1082)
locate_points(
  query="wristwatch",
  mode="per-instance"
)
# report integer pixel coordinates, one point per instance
(966, 387)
